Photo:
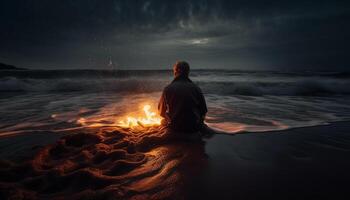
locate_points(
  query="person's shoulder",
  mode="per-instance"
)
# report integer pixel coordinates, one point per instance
(168, 87)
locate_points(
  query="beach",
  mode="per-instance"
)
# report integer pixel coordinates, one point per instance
(298, 163)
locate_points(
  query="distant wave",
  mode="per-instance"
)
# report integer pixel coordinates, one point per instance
(12, 84)
(93, 73)
(297, 87)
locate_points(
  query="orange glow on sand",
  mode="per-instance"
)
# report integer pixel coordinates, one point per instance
(148, 119)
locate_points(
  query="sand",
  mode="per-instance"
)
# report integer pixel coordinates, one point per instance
(301, 163)
(298, 163)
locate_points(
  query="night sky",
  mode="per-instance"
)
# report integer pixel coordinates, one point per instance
(153, 34)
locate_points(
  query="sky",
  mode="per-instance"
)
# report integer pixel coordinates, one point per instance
(153, 34)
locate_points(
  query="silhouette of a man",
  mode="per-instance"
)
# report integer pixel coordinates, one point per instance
(182, 103)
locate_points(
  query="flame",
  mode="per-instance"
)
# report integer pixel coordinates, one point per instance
(149, 119)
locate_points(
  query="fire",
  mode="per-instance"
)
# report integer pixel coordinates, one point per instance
(149, 119)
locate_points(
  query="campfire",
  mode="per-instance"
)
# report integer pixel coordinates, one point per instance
(148, 119)
(144, 118)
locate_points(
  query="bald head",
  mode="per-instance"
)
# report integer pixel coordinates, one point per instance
(181, 68)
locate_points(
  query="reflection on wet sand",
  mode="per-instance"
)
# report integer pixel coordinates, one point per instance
(107, 163)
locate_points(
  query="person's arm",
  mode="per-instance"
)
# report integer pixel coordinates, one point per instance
(162, 106)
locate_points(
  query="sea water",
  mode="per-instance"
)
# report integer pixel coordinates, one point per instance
(254, 101)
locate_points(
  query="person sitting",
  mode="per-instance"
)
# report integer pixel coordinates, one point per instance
(182, 104)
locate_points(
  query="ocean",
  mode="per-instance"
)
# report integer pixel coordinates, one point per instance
(238, 101)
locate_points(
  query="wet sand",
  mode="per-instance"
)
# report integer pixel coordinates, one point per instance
(301, 163)
(311, 162)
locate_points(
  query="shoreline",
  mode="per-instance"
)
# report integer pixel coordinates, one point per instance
(34, 139)
(296, 128)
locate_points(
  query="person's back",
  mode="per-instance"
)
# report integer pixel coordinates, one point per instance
(182, 103)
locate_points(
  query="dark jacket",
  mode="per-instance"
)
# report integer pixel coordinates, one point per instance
(183, 105)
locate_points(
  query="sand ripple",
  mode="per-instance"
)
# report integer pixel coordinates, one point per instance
(106, 164)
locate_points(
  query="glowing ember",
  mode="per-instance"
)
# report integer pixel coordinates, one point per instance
(149, 119)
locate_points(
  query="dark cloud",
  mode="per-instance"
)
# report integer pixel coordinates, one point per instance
(284, 35)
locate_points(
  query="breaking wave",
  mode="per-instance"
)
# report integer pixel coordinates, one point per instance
(12, 84)
(297, 87)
